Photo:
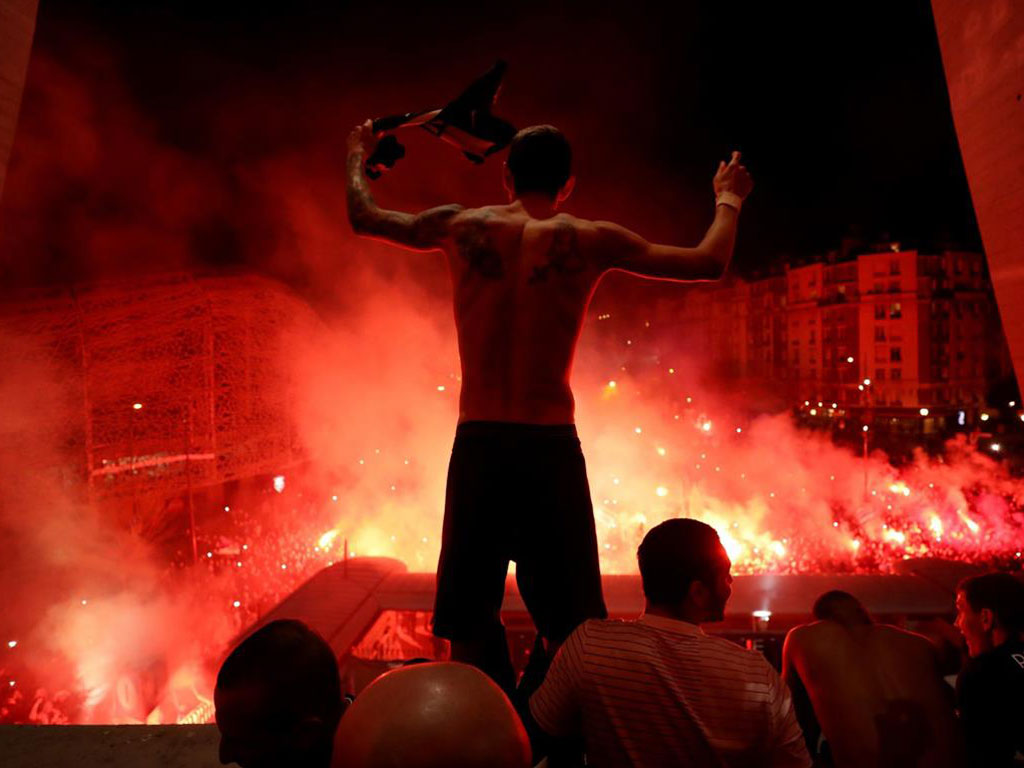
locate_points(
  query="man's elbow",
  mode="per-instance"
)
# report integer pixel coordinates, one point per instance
(713, 264)
(361, 222)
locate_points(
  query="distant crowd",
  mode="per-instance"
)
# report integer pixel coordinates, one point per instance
(656, 691)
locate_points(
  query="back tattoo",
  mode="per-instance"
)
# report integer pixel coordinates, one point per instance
(475, 246)
(564, 255)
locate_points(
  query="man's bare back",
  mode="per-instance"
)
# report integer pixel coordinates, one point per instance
(876, 692)
(521, 288)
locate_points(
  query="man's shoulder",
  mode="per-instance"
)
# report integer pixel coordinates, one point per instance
(746, 656)
(603, 631)
(903, 638)
(592, 627)
(811, 635)
(1003, 663)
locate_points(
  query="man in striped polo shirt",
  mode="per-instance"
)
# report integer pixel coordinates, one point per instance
(658, 691)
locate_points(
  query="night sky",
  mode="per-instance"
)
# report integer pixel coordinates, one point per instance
(202, 121)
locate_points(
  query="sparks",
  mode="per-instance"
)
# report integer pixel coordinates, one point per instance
(326, 539)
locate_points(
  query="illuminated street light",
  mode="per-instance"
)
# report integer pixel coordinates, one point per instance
(867, 382)
(997, 447)
(849, 359)
(984, 417)
(865, 428)
(137, 406)
(279, 483)
(923, 411)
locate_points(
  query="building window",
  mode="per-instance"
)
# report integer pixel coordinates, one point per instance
(894, 286)
(895, 356)
(895, 310)
(896, 374)
(894, 266)
(879, 333)
(879, 311)
(880, 374)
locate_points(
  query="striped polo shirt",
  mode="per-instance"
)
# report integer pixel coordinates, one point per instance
(660, 692)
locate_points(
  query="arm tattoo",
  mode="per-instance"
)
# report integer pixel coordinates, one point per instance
(475, 246)
(360, 201)
(564, 255)
(423, 231)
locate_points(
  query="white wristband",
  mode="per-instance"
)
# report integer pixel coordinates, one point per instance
(731, 199)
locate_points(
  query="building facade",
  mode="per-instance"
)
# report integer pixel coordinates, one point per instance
(889, 331)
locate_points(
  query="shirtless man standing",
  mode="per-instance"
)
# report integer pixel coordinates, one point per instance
(873, 691)
(522, 275)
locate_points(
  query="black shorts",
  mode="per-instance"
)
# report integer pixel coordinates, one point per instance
(517, 492)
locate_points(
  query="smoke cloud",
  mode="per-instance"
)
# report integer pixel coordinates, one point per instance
(106, 629)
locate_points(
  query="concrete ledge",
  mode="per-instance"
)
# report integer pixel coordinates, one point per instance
(89, 746)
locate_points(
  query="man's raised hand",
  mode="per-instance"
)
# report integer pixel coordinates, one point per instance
(362, 138)
(733, 177)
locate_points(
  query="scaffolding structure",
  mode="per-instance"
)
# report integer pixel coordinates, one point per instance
(181, 381)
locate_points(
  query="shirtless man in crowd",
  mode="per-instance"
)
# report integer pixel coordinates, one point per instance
(522, 276)
(875, 692)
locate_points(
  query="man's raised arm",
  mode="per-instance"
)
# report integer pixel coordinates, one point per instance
(419, 232)
(621, 249)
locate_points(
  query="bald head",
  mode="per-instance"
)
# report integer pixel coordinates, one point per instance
(442, 715)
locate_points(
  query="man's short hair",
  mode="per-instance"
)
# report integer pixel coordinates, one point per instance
(837, 605)
(540, 160)
(673, 555)
(295, 667)
(1001, 593)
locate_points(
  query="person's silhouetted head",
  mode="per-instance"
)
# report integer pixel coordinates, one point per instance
(434, 715)
(841, 607)
(685, 570)
(540, 162)
(278, 698)
(989, 610)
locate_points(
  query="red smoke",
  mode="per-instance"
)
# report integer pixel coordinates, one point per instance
(97, 190)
